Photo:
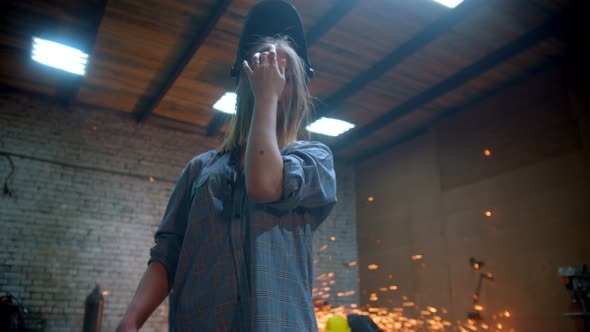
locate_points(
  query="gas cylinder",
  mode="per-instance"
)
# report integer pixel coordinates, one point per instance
(93, 310)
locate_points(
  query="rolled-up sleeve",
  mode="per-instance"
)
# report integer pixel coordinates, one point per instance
(170, 234)
(309, 179)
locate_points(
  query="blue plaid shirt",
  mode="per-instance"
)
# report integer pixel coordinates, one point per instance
(234, 265)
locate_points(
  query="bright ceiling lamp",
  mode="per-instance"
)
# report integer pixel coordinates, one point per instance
(59, 56)
(450, 3)
(330, 127)
(227, 103)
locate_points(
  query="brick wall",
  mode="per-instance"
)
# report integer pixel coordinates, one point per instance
(84, 210)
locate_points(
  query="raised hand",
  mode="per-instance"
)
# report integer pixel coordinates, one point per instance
(267, 78)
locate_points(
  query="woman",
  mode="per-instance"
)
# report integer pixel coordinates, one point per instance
(233, 250)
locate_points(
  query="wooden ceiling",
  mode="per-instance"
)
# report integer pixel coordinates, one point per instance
(392, 67)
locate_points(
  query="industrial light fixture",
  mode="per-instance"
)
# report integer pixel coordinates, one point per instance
(227, 103)
(59, 56)
(450, 3)
(325, 126)
(329, 126)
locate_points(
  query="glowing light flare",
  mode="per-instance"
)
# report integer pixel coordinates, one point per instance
(322, 276)
(324, 247)
(417, 257)
(373, 267)
(151, 179)
(370, 198)
(449, 3)
(487, 152)
(227, 103)
(330, 126)
(59, 56)
(478, 307)
(488, 213)
(349, 293)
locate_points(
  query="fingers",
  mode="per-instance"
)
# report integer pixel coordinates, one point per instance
(282, 66)
(264, 58)
(247, 68)
(273, 55)
(256, 60)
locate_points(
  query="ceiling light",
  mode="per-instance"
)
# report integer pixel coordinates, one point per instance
(227, 103)
(59, 56)
(450, 3)
(330, 127)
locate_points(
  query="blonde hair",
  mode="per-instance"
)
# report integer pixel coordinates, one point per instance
(290, 126)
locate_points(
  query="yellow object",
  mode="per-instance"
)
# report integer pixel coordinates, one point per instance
(337, 324)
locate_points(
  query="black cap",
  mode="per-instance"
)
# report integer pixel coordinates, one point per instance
(271, 18)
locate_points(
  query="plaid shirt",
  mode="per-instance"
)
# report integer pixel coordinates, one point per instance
(234, 265)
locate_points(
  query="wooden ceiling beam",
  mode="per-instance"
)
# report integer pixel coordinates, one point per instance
(470, 72)
(329, 20)
(397, 55)
(488, 93)
(323, 25)
(156, 92)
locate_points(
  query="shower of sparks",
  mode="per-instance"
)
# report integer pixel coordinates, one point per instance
(392, 311)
